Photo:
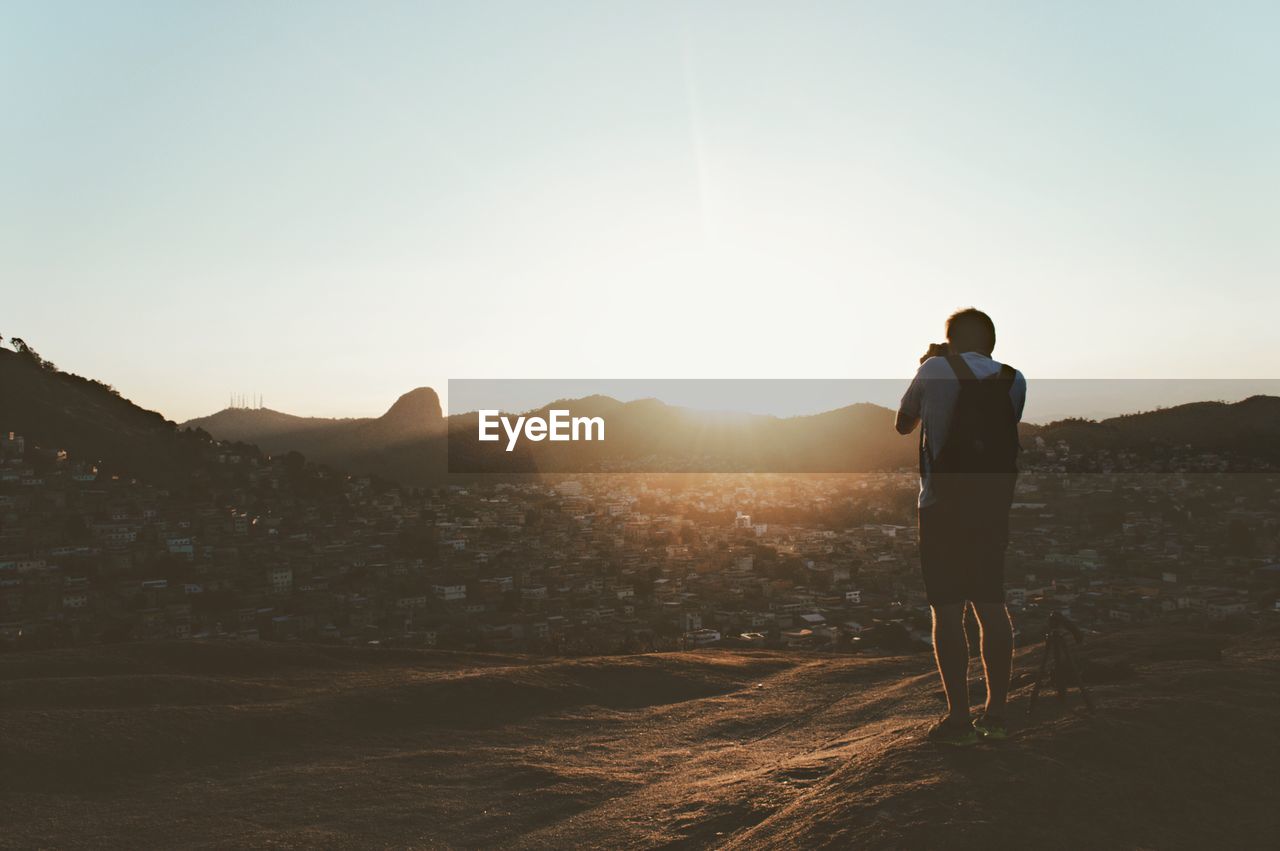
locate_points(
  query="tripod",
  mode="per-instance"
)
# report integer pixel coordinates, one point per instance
(1057, 661)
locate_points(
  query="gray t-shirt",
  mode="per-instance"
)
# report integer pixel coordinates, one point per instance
(931, 398)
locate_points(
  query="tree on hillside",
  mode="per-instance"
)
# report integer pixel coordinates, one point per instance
(26, 352)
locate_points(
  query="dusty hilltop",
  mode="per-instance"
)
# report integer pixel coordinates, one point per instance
(198, 744)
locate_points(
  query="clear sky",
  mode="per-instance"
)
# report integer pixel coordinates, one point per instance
(332, 203)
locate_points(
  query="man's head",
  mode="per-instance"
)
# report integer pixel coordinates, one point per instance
(971, 330)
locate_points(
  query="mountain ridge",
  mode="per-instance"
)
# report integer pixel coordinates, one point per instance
(650, 435)
(420, 406)
(410, 441)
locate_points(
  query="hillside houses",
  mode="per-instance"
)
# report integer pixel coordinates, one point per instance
(266, 548)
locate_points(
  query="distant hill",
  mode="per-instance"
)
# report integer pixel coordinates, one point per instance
(58, 410)
(248, 744)
(410, 442)
(261, 425)
(1250, 427)
(415, 414)
(650, 435)
(405, 443)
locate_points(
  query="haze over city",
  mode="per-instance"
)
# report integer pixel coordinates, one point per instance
(326, 205)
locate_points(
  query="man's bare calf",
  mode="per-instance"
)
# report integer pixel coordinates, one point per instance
(951, 650)
(997, 654)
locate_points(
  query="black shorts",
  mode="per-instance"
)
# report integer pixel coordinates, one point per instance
(962, 546)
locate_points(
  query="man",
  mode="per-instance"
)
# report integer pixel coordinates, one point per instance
(969, 407)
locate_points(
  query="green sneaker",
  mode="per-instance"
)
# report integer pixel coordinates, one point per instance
(991, 727)
(955, 732)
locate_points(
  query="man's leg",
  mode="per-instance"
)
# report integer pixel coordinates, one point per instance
(997, 653)
(951, 649)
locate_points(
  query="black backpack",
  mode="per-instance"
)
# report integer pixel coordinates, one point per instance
(980, 456)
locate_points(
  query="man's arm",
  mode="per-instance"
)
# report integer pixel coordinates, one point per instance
(906, 423)
(909, 409)
(1019, 393)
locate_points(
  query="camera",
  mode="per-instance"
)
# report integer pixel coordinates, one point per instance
(936, 350)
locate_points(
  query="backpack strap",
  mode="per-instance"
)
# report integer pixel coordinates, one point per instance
(964, 373)
(960, 368)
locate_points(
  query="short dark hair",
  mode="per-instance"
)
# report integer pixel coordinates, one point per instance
(971, 330)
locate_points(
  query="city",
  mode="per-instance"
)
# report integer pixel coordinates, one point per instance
(262, 547)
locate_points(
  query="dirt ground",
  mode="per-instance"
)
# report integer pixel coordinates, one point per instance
(198, 744)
